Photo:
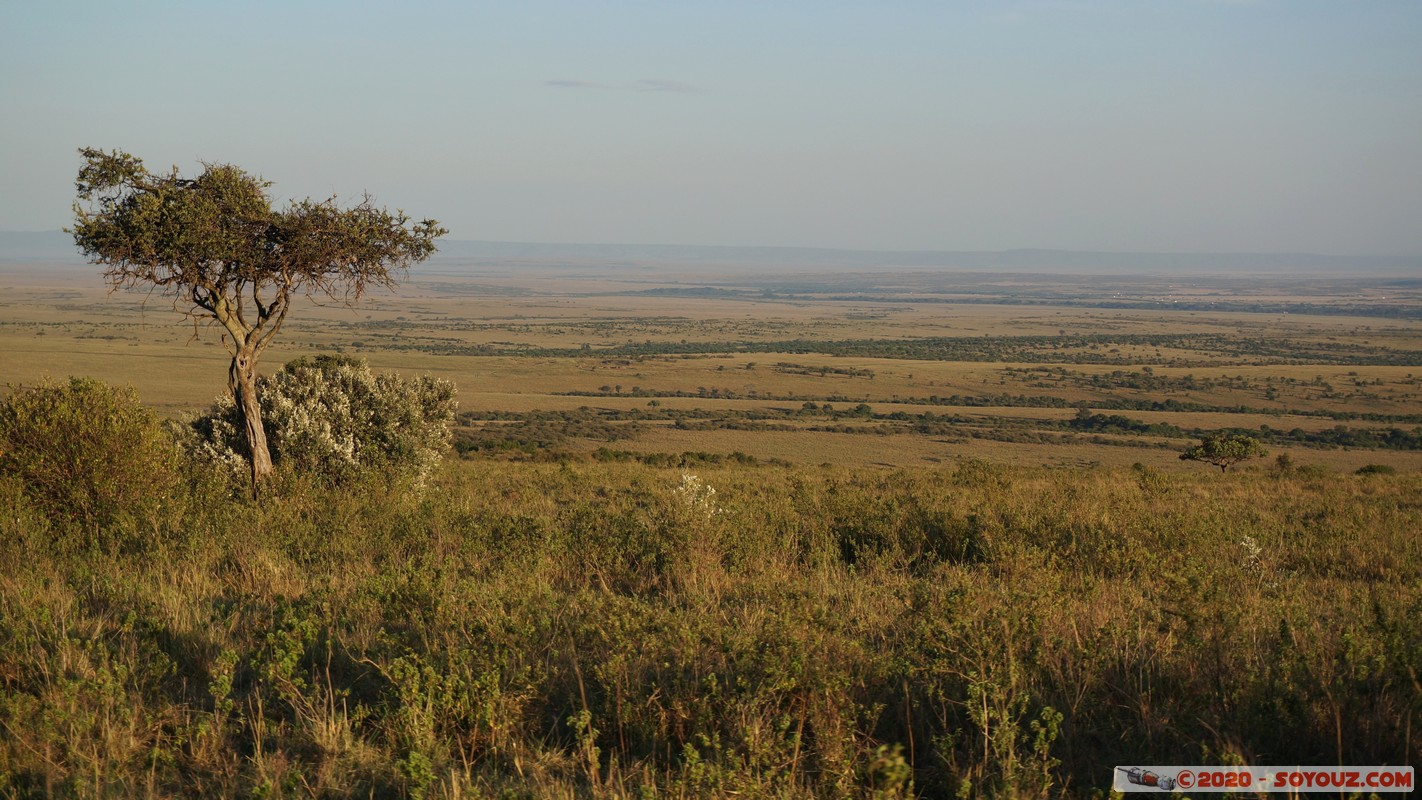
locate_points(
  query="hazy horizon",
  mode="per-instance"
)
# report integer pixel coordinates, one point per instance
(453, 240)
(460, 256)
(1195, 126)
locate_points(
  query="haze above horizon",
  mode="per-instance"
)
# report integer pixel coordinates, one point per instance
(1155, 126)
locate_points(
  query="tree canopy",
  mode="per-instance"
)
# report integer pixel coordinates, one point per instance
(218, 248)
(1224, 450)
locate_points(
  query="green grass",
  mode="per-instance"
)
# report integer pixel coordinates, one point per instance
(615, 630)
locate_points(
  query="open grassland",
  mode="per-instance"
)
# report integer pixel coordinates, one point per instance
(991, 366)
(799, 536)
(619, 630)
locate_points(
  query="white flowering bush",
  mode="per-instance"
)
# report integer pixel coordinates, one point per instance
(1255, 563)
(332, 417)
(697, 496)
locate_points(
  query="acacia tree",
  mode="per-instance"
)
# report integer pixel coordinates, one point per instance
(1224, 450)
(226, 257)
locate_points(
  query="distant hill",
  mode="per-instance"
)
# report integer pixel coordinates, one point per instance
(57, 246)
(1063, 261)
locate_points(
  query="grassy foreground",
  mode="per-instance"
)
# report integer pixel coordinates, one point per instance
(620, 630)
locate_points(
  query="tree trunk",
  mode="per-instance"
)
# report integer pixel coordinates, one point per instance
(242, 380)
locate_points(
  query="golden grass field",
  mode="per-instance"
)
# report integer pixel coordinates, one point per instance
(847, 541)
(477, 330)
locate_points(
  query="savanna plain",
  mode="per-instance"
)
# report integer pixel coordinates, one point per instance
(722, 531)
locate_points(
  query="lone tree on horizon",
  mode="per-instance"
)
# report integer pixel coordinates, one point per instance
(1224, 450)
(215, 245)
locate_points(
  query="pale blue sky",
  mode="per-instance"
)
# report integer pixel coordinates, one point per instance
(1175, 125)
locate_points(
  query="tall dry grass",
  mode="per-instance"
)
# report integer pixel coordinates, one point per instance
(617, 630)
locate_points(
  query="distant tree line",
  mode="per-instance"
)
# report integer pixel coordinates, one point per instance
(1106, 349)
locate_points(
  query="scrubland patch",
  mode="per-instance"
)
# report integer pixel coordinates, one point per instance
(622, 630)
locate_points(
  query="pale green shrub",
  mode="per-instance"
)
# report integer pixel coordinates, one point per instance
(333, 418)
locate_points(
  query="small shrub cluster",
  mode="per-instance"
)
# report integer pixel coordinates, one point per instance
(534, 432)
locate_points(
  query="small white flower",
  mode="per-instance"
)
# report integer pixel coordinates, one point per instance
(697, 496)
(1254, 562)
(1252, 549)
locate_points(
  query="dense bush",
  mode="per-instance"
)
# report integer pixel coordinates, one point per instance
(86, 453)
(332, 418)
